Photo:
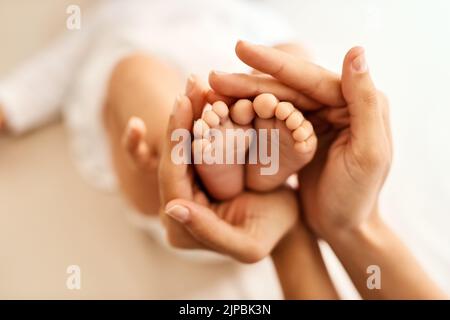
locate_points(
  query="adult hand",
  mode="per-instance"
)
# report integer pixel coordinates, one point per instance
(246, 228)
(347, 175)
(339, 189)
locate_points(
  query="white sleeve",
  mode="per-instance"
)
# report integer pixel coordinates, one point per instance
(32, 94)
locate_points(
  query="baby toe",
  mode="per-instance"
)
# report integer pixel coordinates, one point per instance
(242, 112)
(284, 110)
(201, 129)
(303, 132)
(221, 109)
(307, 145)
(294, 120)
(211, 118)
(265, 105)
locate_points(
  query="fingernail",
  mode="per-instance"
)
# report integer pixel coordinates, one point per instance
(359, 64)
(243, 41)
(218, 72)
(176, 104)
(190, 84)
(179, 213)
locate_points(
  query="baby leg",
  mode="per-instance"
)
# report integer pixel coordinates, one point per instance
(139, 100)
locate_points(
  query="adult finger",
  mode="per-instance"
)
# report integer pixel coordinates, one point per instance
(175, 180)
(300, 74)
(337, 117)
(215, 233)
(386, 118)
(196, 92)
(213, 96)
(241, 85)
(366, 118)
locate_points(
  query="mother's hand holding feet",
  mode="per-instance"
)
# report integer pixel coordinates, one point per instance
(246, 227)
(340, 187)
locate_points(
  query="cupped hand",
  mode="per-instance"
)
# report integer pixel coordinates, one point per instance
(246, 227)
(339, 189)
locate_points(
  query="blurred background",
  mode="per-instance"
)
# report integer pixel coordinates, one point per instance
(50, 218)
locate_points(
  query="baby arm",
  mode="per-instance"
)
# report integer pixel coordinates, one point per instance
(32, 94)
(300, 267)
(383, 255)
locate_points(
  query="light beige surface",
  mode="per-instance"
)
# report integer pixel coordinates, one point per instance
(26, 25)
(50, 218)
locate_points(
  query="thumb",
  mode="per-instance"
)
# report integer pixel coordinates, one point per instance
(362, 99)
(213, 232)
(175, 179)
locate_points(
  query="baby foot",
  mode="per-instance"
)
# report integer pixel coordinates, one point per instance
(221, 169)
(297, 141)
